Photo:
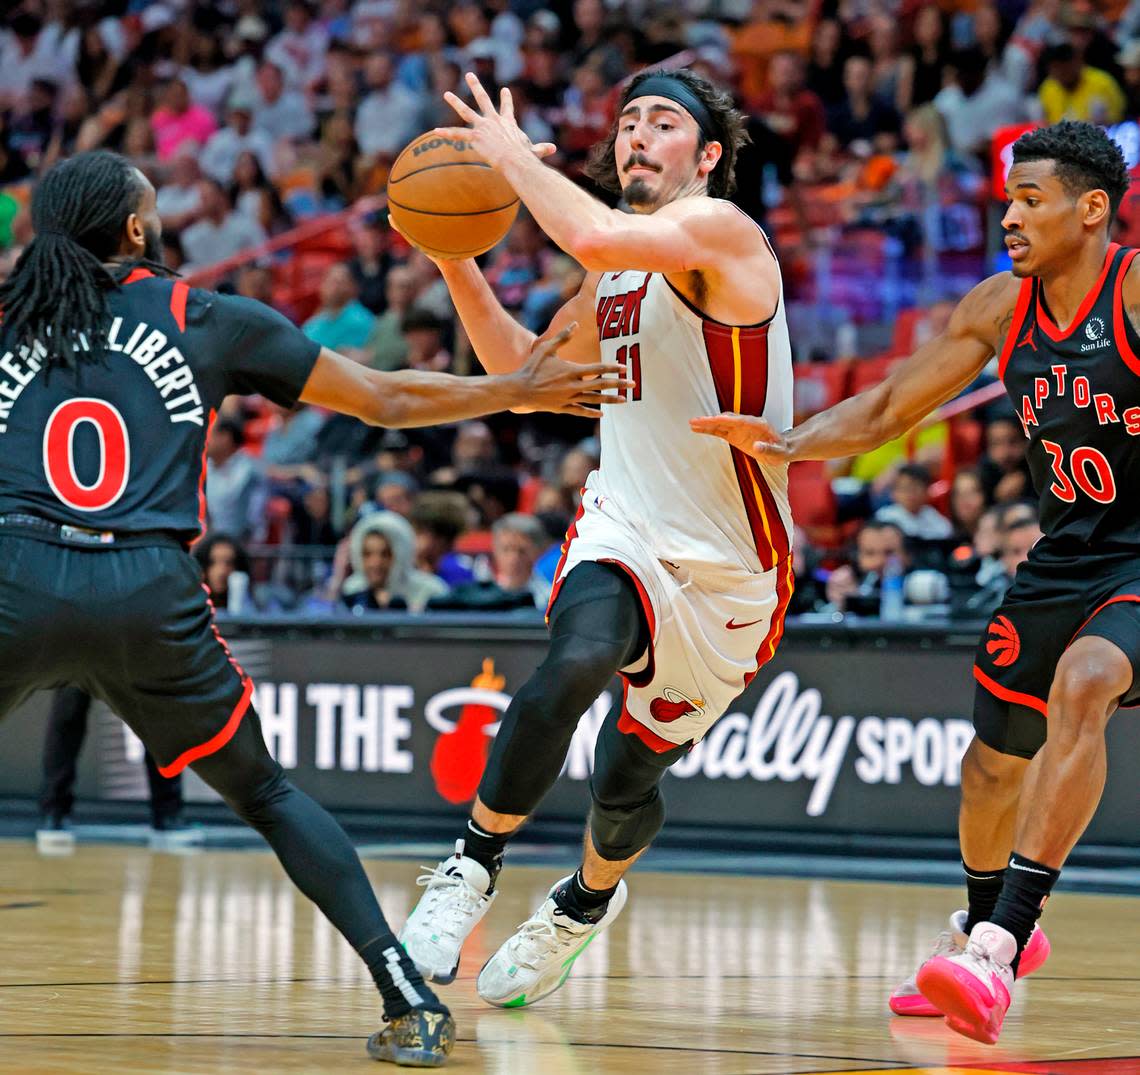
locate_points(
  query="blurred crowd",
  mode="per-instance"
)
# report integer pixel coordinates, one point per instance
(869, 119)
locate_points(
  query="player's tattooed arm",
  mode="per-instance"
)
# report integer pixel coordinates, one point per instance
(1002, 323)
(935, 373)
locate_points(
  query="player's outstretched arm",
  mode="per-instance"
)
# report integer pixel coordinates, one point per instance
(689, 234)
(935, 373)
(410, 398)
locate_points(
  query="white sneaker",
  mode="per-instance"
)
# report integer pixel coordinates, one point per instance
(538, 958)
(455, 900)
(907, 1000)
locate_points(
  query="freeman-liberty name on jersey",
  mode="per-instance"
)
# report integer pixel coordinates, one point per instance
(119, 442)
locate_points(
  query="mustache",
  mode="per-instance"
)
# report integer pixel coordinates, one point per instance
(1016, 235)
(637, 160)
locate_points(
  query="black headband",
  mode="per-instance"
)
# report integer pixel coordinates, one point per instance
(671, 87)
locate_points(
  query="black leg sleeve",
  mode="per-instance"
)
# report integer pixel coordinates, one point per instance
(66, 729)
(596, 627)
(318, 857)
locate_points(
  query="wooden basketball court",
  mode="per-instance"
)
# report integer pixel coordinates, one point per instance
(119, 959)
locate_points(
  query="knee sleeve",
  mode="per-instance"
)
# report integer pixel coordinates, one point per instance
(628, 809)
(596, 629)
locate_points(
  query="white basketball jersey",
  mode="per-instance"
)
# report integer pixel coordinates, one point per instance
(697, 502)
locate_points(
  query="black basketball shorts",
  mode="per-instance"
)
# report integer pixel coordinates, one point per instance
(133, 627)
(1056, 597)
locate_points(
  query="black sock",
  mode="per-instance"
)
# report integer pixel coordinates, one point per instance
(1027, 887)
(486, 848)
(400, 984)
(983, 889)
(581, 902)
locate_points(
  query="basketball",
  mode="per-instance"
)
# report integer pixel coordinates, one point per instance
(447, 200)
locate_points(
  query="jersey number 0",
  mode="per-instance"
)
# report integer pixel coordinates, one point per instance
(114, 454)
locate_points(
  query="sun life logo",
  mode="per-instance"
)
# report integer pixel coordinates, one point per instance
(1094, 329)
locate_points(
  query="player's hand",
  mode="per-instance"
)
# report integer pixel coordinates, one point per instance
(550, 383)
(752, 435)
(493, 134)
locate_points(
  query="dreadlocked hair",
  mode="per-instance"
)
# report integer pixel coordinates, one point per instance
(730, 130)
(57, 292)
(1084, 158)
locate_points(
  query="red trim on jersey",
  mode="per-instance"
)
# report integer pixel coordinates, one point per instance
(212, 746)
(628, 726)
(1019, 311)
(1050, 326)
(1007, 695)
(1120, 330)
(1100, 608)
(759, 505)
(136, 275)
(571, 534)
(645, 676)
(202, 475)
(785, 585)
(178, 296)
(216, 742)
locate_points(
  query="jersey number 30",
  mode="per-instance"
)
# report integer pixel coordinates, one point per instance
(1091, 472)
(114, 454)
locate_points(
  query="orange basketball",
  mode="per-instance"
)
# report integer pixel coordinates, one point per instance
(447, 200)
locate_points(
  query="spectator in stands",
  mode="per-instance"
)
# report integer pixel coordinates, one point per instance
(236, 490)
(372, 261)
(386, 348)
(967, 503)
(1073, 90)
(280, 112)
(339, 173)
(179, 199)
(1129, 60)
(219, 556)
(1019, 534)
(255, 281)
(423, 332)
(255, 198)
(32, 122)
(288, 449)
(341, 320)
(312, 514)
(219, 233)
(438, 518)
(1004, 469)
(824, 72)
(383, 574)
(29, 51)
(395, 491)
(909, 510)
(238, 136)
(888, 64)
(921, 76)
(793, 113)
(99, 67)
(861, 122)
(180, 123)
(207, 75)
(975, 103)
(389, 115)
(434, 41)
(876, 543)
(302, 44)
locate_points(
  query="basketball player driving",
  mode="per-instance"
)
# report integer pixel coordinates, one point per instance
(1063, 651)
(676, 572)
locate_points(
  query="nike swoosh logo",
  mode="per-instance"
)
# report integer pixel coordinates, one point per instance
(732, 625)
(1028, 869)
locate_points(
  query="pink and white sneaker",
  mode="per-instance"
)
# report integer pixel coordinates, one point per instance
(973, 988)
(908, 1000)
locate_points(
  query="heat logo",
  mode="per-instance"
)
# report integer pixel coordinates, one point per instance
(673, 706)
(1004, 644)
(461, 752)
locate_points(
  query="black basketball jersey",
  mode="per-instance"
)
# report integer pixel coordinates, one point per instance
(119, 444)
(1077, 393)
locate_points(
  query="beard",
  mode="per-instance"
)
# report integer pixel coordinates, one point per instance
(152, 244)
(639, 193)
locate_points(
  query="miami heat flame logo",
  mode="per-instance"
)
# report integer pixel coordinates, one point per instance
(461, 752)
(1004, 644)
(673, 706)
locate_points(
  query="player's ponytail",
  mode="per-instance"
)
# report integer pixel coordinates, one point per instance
(57, 292)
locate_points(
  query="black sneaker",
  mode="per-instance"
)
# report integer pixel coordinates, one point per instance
(420, 1039)
(174, 832)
